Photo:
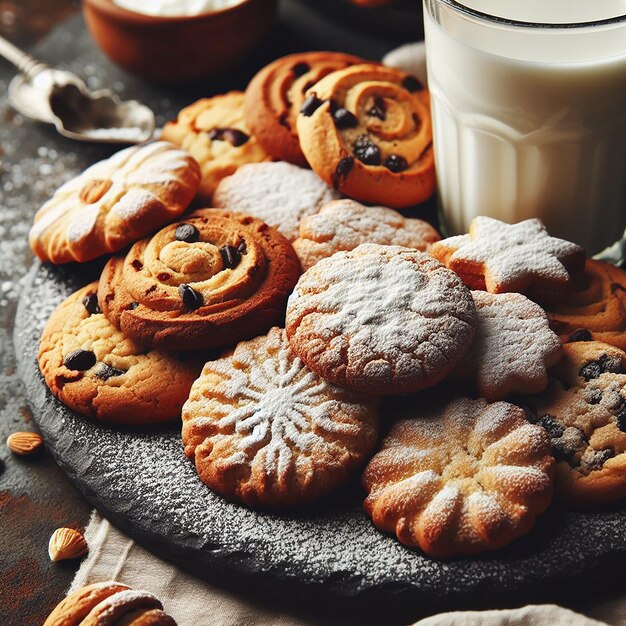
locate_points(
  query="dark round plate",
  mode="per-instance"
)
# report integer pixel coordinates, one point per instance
(328, 555)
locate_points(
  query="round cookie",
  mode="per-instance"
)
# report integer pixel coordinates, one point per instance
(214, 132)
(279, 193)
(595, 309)
(275, 95)
(114, 203)
(512, 347)
(206, 282)
(380, 319)
(95, 370)
(584, 413)
(460, 478)
(265, 430)
(342, 225)
(367, 131)
(523, 257)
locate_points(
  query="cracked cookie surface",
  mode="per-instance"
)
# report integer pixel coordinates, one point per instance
(380, 319)
(95, 370)
(460, 477)
(265, 430)
(584, 413)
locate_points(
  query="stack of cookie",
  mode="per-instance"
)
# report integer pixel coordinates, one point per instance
(287, 320)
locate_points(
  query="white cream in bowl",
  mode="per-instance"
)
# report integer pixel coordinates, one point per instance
(174, 8)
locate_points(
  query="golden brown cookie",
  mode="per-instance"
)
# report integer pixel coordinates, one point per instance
(595, 309)
(367, 131)
(523, 257)
(460, 477)
(584, 413)
(512, 347)
(275, 95)
(114, 203)
(208, 281)
(343, 225)
(280, 194)
(380, 319)
(95, 370)
(214, 131)
(265, 430)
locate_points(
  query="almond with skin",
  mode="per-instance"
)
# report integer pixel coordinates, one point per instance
(66, 543)
(24, 443)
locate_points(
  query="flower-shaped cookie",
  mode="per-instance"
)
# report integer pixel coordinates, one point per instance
(460, 478)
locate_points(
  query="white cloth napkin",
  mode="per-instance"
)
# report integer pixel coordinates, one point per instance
(194, 602)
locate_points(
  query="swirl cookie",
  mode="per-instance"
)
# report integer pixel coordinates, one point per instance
(214, 132)
(109, 604)
(279, 193)
(380, 319)
(595, 309)
(275, 95)
(265, 430)
(343, 225)
(367, 131)
(208, 281)
(499, 257)
(512, 347)
(114, 203)
(584, 414)
(95, 370)
(460, 478)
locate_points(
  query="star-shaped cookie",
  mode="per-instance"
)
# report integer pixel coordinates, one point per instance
(523, 257)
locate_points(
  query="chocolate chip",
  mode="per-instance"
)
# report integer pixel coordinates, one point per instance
(378, 109)
(90, 302)
(137, 265)
(310, 105)
(163, 276)
(593, 460)
(300, 69)
(604, 364)
(234, 136)
(367, 151)
(132, 306)
(230, 257)
(344, 167)
(617, 287)
(283, 120)
(580, 335)
(242, 248)
(395, 163)
(344, 119)
(80, 360)
(621, 421)
(187, 233)
(190, 297)
(412, 84)
(104, 372)
(552, 427)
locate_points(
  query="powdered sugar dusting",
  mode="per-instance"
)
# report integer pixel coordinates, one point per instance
(280, 194)
(512, 347)
(380, 318)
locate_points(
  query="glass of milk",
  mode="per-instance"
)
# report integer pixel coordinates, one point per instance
(529, 113)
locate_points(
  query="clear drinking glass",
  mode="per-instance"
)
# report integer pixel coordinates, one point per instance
(529, 113)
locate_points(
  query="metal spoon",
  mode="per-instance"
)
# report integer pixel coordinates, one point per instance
(61, 98)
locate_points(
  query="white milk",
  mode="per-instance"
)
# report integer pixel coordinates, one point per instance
(531, 122)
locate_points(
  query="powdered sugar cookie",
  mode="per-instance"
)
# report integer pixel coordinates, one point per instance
(521, 257)
(279, 193)
(115, 202)
(595, 309)
(265, 430)
(460, 477)
(380, 319)
(584, 413)
(512, 347)
(345, 224)
(214, 131)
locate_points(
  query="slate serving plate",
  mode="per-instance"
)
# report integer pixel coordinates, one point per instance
(326, 555)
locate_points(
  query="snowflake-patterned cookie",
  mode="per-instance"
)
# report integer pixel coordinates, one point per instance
(460, 476)
(380, 319)
(522, 257)
(264, 429)
(512, 347)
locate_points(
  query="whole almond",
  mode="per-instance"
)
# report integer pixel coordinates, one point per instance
(24, 443)
(66, 543)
